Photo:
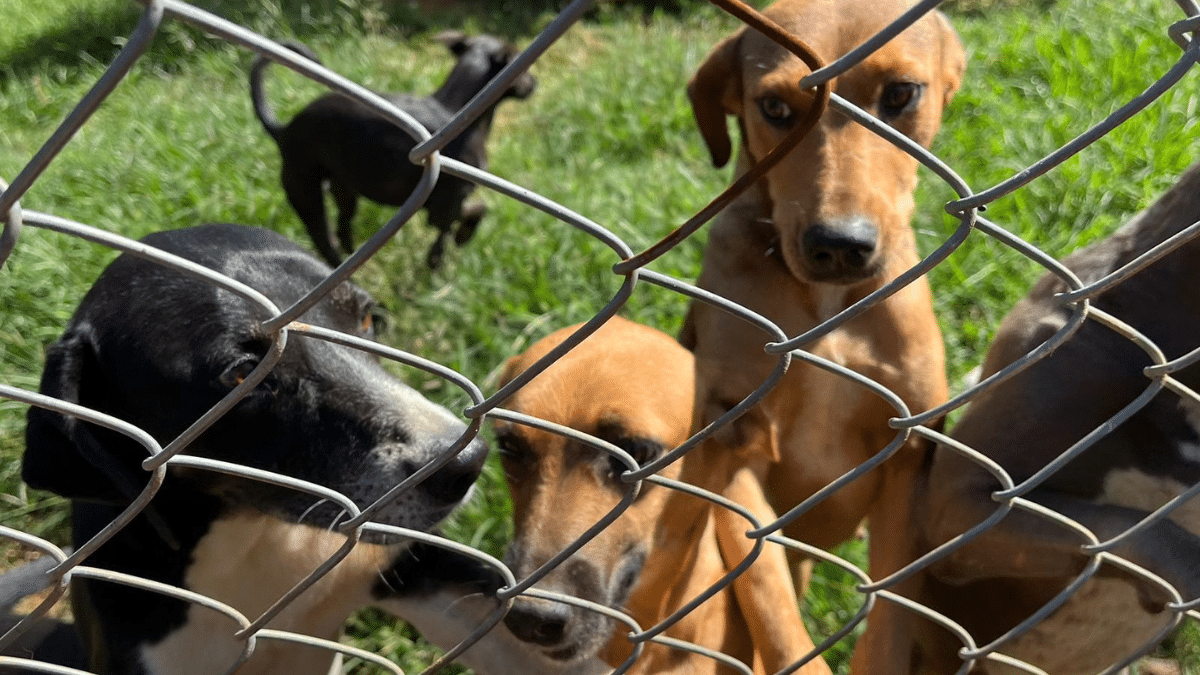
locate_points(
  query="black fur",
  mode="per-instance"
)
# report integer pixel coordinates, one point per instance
(157, 348)
(339, 141)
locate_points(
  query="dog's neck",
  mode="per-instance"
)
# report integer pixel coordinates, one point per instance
(244, 560)
(455, 95)
(458, 90)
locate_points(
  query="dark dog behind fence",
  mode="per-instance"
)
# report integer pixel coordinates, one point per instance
(339, 142)
(179, 10)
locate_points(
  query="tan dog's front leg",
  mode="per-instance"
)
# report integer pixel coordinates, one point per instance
(887, 645)
(764, 592)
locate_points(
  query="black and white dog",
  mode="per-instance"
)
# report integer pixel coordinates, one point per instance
(158, 348)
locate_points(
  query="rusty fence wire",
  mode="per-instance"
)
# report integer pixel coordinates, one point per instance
(1014, 494)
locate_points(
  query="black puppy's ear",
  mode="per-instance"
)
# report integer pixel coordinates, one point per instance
(66, 455)
(455, 41)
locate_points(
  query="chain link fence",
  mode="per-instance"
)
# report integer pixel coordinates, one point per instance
(1099, 555)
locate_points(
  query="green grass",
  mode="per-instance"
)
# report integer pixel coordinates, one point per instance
(608, 134)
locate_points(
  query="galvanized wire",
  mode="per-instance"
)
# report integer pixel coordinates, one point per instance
(283, 325)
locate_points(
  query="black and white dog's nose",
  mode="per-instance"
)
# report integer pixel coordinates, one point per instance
(451, 483)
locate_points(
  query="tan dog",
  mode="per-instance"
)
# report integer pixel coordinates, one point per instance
(631, 386)
(1026, 422)
(824, 228)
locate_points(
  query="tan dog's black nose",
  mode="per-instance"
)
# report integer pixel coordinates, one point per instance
(840, 251)
(539, 622)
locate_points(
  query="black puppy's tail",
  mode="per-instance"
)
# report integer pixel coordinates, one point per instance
(259, 97)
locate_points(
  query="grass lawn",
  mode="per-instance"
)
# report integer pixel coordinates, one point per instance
(608, 134)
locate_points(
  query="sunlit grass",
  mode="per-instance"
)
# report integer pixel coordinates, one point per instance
(608, 134)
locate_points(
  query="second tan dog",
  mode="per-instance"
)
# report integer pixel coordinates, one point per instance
(631, 386)
(824, 228)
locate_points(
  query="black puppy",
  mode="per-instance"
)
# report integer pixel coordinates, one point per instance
(157, 348)
(347, 144)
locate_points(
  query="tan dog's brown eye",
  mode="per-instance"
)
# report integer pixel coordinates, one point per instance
(514, 449)
(642, 450)
(775, 109)
(897, 97)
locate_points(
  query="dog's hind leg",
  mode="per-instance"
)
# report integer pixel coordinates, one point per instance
(346, 200)
(434, 258)
(472, 214)
(304, 190)
(442, 217)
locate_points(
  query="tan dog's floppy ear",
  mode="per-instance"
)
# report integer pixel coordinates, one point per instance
(954, 59)
(753, 436)
(716, 91)
(510, 371)
(687, 332)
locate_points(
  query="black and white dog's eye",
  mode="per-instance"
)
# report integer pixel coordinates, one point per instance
(898, 97)
(374, 319)
(775, 109)
(237, 373)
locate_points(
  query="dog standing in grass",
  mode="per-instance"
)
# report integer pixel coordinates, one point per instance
(349, 146)
(828, 225)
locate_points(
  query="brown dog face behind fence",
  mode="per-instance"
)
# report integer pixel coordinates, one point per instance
(631, 386)
(821, 231)
(826, 227)
(842, 200)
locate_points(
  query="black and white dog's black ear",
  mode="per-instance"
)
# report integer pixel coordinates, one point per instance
(71, 457)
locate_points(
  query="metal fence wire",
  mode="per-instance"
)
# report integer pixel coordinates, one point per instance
(1096, 553)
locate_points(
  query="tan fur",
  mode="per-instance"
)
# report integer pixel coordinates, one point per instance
(641, 380)
(815, 426)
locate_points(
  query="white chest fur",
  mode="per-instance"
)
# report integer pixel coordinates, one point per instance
(249, 562)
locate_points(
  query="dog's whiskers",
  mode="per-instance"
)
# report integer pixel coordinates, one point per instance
(300, 520)
(337, 519)
(383, 579)
(464, 598)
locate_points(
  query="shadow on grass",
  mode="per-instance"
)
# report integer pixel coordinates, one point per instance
(980, 8)
(96, 34)
(92, 32)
